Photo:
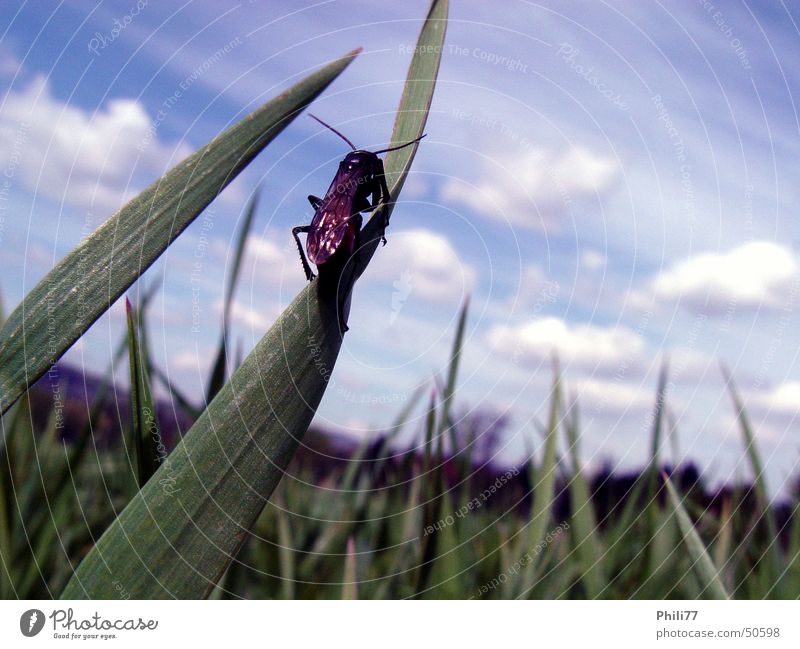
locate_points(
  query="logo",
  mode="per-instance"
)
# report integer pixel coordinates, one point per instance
(31, 622)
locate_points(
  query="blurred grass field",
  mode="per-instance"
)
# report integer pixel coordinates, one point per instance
(430, 521)
(109, 493)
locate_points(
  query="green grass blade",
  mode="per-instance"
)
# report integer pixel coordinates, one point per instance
(219, 368)
(177, 536)
(543, 488)
(412, 115)
(144, 424)
(66, 302)
(584, 533)
(445, 421)
(286, 553)
(702, 565)
(757, 468)
(350, 578)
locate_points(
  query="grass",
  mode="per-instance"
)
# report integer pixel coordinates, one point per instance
(395, 523)
(232, 511)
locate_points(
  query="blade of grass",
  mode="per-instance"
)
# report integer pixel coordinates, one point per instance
(144, 424)
(412, 115)
(177, 542)
(350, 577)
(65, 303)
(286, 553)
(452, 373)
(541, 511)
(757, 468)
(219, 368)
(584, 533)
(652, 512)
(702, 565)
(179, 533)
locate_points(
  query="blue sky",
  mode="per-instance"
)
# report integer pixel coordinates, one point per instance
(612, 182)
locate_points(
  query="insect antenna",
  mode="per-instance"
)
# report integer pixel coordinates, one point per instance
(352, 146)
(402, 146)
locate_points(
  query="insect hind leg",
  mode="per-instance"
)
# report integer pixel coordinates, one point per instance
(306, 268)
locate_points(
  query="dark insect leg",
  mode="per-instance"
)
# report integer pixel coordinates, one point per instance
(295, 231)
(385, 197)
(316, 202)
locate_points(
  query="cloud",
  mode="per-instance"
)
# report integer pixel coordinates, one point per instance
(597, 397)
(583, 346)
(89, 160)
(755, 275)
(592, 260)
(784, 399)
(423, 264)
(537, 182)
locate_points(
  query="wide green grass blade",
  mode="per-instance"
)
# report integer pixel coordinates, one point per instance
(702, 564)
(412, 114)
(66, 302)
(219, 368)
(178, 535)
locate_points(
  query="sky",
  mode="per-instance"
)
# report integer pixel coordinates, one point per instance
(611, 183)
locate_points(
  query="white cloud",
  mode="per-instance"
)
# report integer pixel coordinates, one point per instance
(754, 275)
(423, 264)
(537, 182)
(592, 260)
(784, 399)
(86, 159)
(610, 397)
(583, 346)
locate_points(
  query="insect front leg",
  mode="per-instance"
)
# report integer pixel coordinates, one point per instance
(295, 231)
(385, 198)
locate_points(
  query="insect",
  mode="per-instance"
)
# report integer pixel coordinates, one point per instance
(358, 186)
